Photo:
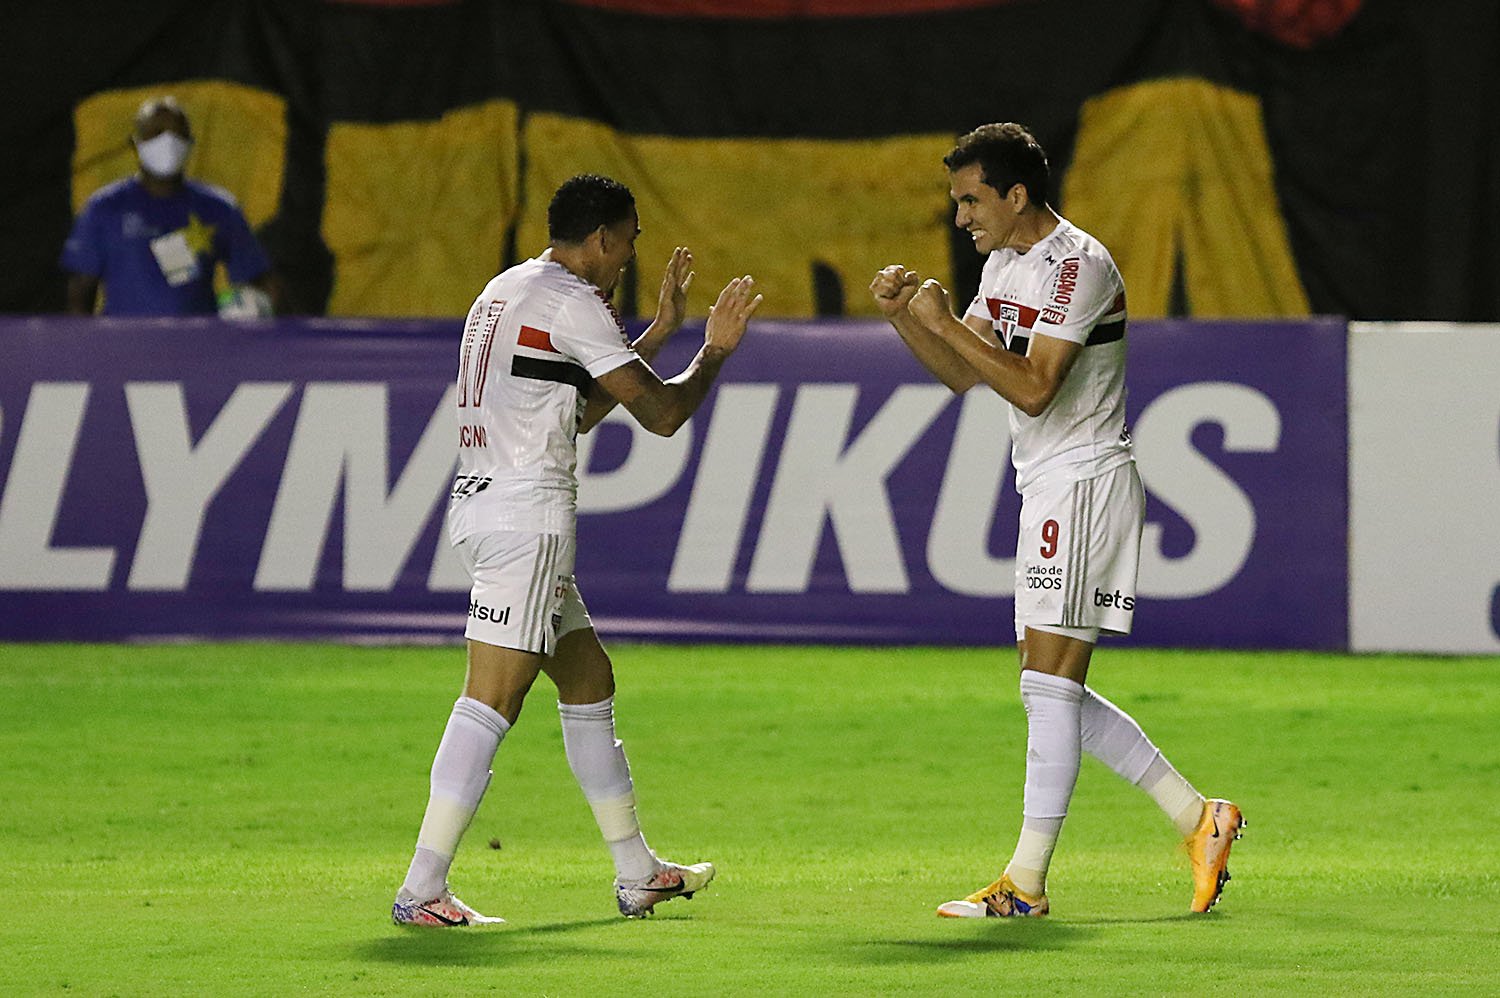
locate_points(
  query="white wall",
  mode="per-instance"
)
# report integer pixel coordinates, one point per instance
(1424, 487)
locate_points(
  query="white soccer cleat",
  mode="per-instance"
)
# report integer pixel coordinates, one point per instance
(443, 912)
(637, 899)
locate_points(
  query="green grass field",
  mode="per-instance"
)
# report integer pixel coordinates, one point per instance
(208, 819)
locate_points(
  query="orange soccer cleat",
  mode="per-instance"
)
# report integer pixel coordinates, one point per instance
(1208, 850)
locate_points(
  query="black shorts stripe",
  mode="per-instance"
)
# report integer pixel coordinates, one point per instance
(559, 371)
(1106, 332)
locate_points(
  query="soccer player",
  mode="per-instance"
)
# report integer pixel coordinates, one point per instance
(1047, 332)
(543, 358)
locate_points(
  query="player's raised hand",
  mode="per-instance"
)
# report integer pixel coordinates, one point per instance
(930, 303)
(893, 288)
(671, 302)
(730, 315)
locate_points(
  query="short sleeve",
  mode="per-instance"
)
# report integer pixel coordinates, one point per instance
(589, 333)
(1081, 291)
(83, 253)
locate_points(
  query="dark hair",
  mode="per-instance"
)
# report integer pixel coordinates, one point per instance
(1007, 155)
(585, 202)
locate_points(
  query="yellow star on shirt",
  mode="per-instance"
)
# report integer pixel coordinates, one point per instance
(199, 237)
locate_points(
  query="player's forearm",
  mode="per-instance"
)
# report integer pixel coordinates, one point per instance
(595, 409)
(1009, 375)
(685, 393)
(650, 342)
(940, 359)
(647, 346)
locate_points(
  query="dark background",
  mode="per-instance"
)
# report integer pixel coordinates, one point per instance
(1385, 134)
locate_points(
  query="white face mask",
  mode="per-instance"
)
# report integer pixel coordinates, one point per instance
(164, 155)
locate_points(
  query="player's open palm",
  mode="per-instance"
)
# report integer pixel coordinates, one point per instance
(671, 302)
(731, 314)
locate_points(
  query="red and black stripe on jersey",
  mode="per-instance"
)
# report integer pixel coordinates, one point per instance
(563, 372)
(1109, 329)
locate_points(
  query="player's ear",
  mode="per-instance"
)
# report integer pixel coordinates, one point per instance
(1017, 197)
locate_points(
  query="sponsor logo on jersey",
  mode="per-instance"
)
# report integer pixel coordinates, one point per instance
(468, 485)
(1054, 315)
(472, 435)
(1065, 283)
(613, 314)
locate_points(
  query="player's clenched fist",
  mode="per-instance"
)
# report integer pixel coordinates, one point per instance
(730, 315)
(893, 288)
(930, 303)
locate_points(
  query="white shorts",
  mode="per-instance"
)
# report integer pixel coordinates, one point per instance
(524, 595)
(1078, 554)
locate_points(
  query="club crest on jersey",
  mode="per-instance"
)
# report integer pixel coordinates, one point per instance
(1008, 316)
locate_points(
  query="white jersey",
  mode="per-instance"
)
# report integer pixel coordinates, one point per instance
(1065, 286)
(535, 339)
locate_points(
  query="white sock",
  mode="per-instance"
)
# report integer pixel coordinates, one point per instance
(599, 765)
(1027, 868)
(460, 774)
(1053, 753)
(1173, 794)
(1115, 739)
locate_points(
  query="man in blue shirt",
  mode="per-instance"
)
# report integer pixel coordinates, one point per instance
(154, 239)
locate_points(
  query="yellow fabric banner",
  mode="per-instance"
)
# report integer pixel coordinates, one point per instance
(416, 212)
(773, 208)
(1180, 170)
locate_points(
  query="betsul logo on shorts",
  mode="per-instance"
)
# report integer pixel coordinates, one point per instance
(481, 612)
(1116, 598)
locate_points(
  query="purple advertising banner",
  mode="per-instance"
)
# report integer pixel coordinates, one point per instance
(169, 478)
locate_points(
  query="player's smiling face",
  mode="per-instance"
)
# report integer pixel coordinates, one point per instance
(989, 219)
(618, 249)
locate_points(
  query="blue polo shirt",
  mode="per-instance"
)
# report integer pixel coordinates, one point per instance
(156, 256)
